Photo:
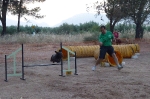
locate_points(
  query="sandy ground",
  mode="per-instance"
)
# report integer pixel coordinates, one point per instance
(132, 82)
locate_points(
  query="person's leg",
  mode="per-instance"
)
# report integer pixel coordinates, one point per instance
(101, 57)
(111, 52)
(98, 61)
(116, 61)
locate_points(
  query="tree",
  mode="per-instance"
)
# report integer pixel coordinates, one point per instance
(4, 6)
(112, 10)
(139, 12)
(18, 8)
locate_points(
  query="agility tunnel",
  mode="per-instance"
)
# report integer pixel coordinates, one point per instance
(126, 50)
(81, 51)
(122, 51)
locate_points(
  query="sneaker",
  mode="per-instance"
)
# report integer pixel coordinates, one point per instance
(120, 67)
(93, 68)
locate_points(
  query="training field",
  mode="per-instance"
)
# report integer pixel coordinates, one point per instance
(132, 82)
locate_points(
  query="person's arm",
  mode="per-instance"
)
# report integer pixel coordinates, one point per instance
(100, 42)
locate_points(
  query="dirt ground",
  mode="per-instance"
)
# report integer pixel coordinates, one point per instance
(44, 82)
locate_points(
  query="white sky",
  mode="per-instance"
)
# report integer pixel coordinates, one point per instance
(58, 10)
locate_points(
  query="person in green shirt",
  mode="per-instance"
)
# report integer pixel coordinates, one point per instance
(105, 43)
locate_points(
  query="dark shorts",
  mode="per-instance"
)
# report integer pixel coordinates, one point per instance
(104, 50)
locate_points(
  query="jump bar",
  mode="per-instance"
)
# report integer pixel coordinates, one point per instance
(40, 65)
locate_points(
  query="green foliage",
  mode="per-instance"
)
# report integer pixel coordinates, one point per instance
(148, 28)
(62, 29)
(108, 26)
(11, 29)
(26, 29)
(124, 27)
(90, 26)
(1, 28)
(65, 28)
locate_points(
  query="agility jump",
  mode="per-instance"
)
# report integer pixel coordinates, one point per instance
(23, 66)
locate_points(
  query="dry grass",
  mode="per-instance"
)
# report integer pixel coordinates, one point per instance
(128, 34)
(131, 34)
(146, 35)
(39, 38)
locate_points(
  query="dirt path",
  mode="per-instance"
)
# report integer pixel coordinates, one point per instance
(132, 82)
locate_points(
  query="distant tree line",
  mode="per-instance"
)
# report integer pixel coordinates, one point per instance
(65, 28)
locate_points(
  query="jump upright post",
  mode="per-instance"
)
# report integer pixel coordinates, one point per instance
(68, 53)
(13, 54)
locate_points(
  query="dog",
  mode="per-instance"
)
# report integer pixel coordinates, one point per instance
(56, 57)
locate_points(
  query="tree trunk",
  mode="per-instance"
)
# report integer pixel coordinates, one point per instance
(139, 31)
(3, 19)
(4, 27)
(111, 27)
(20, 4)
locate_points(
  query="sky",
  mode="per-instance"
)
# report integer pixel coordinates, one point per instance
(56, 11)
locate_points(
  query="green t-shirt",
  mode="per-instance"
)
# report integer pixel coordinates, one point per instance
(106, 38)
